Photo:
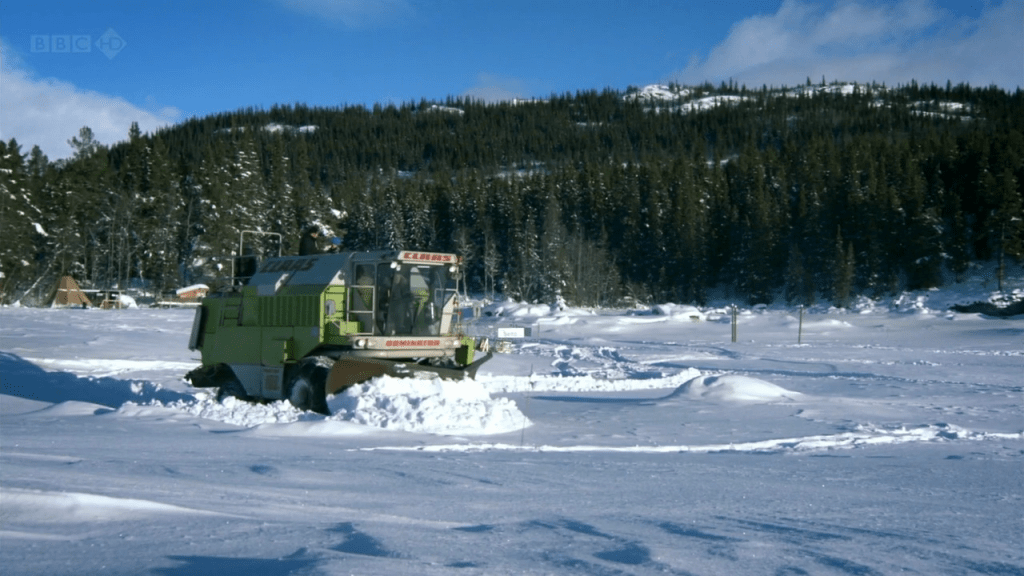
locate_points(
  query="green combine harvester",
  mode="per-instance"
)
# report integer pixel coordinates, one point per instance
(306, 327)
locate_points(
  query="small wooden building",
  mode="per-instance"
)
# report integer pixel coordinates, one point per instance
(193, 293)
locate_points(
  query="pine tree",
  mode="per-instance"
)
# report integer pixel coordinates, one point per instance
(421, 230)
(556, 275)
(525, 266)
(83, 209)
(393, 218)
(1007, 222)
(923, 234)
(18, 222)
(492, 261)
(160, 219)
(287, 197)
(466, 249)
(85, 144)
(799, 287)
(843, 267)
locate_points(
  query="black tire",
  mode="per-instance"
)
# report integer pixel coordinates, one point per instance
(307, 384)
(232, 388)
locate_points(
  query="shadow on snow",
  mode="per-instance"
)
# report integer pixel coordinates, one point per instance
(23, 379)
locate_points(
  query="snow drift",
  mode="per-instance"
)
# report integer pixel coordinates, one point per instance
(733, 388)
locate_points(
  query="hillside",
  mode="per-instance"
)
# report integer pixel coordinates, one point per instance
(662, 193)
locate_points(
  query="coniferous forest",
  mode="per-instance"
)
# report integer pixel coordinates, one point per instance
(815, 194)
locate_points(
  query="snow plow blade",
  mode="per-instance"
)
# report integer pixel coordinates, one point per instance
(349, 371)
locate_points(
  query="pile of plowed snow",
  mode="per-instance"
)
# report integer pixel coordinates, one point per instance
(407, 404)
(435, 406)
(234, 411)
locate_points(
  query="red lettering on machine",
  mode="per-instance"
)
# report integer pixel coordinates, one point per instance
(411, 343)
(426, 257)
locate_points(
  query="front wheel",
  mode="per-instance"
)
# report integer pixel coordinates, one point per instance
(232, 388)
(307, 384)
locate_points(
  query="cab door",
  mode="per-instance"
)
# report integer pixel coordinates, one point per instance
(362, 300)
(336, 328)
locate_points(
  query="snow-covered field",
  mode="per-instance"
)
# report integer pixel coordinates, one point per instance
(889, 440)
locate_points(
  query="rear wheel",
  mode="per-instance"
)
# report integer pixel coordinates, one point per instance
(307, 384)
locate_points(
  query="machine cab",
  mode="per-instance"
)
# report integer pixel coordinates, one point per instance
(411, 295)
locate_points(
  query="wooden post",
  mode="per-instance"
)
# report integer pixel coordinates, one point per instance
(734, 313)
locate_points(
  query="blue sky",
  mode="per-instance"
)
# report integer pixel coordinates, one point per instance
(106, 63)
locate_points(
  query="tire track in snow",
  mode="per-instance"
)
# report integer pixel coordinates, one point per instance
(611, 363)
(861, 437)
(569, 359)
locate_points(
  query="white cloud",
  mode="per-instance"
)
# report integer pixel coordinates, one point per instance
(48, 112)
(865, 41)
(352, 13)
(494, 88)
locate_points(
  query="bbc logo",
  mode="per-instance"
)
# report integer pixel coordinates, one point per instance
(62, 43)
(110, 43)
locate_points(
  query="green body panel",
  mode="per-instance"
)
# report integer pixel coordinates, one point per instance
(267, 330)
(464, 354)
